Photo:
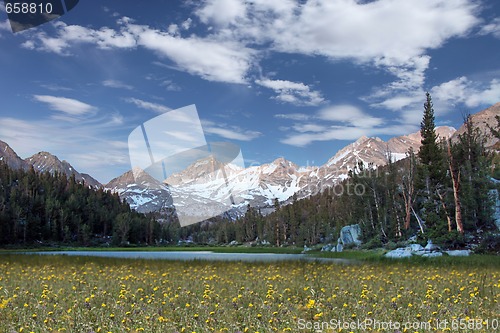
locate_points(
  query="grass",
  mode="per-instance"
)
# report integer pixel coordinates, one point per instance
(377, 256)
(83, 294)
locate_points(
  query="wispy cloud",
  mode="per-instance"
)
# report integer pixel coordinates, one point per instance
(293, 116)
(55, 87)
(92, 147)
(229, 132)
(159, 108)
(116, 84)
(464, 90)
(492, 28)
(336, 122)
(239, 33)
(69, 106)
(296, 93)
(5, 25)
(170, 85)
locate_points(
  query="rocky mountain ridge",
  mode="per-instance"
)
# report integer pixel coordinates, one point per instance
(44, 162)
(209, 181)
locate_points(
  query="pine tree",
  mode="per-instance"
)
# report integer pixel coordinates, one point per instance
(431, 171)
(430, 153)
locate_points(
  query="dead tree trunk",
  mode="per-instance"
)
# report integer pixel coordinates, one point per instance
(409, 189)
(448, 218)
(455, 178)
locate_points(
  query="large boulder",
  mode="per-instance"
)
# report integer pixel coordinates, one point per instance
(431, 247)
(496, 200)
(339, 247)
(350, 234)
(416, 247)
(458, 253)
(399, 253)
(432, 254)
(327, 247)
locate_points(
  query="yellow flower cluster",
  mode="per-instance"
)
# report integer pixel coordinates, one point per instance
(60, 294)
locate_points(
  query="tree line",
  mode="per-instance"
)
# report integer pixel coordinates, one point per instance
(439, 192)
(44, 208)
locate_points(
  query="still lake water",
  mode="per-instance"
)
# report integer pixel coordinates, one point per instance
(192, 255)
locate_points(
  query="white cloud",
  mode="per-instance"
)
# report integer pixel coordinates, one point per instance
(229, 132)
(5, 25)
(388, 34)
(295, 93)
(209, 58)
(170, 85)
(309, 127)
(488, 96)
(492, 28)
(222, 12)
(386, 30)
(68, 36)
(337, 122)
(446, 97)
(69, 106)
(116, 84)
(470, 93)
(293, 116)
(148, 105)
(55, 87)
(90, 147)
(344, 132)
(333, 133)
(348, 114)
(187, 24)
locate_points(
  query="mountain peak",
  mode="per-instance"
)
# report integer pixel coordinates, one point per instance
(46, 162)
(9, 156)
(361, 140)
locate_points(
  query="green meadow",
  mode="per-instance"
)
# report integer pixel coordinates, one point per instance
(86, 294)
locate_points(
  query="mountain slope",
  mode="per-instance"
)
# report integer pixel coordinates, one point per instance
(141, 191)
(481, 120)
(46, 162)
(209, 181)
(9, 156)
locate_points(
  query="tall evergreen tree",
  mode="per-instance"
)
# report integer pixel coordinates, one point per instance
(430, 153)
(431, 172)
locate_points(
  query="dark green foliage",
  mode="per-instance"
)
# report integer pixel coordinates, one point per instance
(38, 209)
(489, 244)
(430, 153)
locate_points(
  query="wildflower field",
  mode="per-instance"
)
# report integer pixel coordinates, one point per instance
(83, 294)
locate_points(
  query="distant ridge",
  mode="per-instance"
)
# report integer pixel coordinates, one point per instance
(46, 162)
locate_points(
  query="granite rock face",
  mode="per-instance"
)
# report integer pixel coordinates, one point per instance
(431, 250)
(350, 234)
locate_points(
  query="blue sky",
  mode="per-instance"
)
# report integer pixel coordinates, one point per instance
(298, 79)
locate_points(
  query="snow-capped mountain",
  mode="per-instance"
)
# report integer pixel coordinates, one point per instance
(210, 183)
(141, 191)
(46, 162)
